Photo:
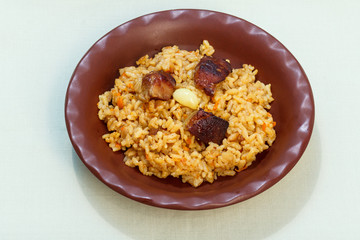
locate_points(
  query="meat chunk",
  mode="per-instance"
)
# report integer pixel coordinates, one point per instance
(209, 72)
(153, 131)
(207, 127)
(158, 85)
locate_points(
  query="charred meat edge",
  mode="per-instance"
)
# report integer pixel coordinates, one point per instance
(207, 127)
(209, 72)
(158, 85)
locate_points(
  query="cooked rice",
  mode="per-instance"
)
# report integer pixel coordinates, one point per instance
(240, 99)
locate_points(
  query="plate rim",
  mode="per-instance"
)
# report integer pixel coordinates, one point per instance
(204, 205)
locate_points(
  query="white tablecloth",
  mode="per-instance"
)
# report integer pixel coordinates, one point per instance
(47, 193)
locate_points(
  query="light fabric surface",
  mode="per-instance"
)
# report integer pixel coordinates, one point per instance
(47, 193)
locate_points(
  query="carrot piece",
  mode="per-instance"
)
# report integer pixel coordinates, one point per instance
(186, 148)
(216, 105)
(130, 85)
(239, 170)
(274, 124)
(264, 126)
(120, 103)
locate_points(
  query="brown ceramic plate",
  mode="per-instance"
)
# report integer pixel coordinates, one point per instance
(233, 38)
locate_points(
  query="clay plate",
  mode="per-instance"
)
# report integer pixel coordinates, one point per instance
(233, 38)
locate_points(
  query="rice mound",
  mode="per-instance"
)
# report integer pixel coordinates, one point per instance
(171, 150)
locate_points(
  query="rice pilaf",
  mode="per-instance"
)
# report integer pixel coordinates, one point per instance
(153, 133)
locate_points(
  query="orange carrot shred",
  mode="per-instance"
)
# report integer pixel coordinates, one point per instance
(274, 124)
(264, 126)
(120, 103)
(130, 85)
(216, 105)
(239, 170)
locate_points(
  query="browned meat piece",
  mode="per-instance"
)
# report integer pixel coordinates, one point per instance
(158, 85)
(153, 131)
(207, 127)
(209, 72)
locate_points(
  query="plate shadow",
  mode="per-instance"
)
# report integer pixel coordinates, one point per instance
(255, 218)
